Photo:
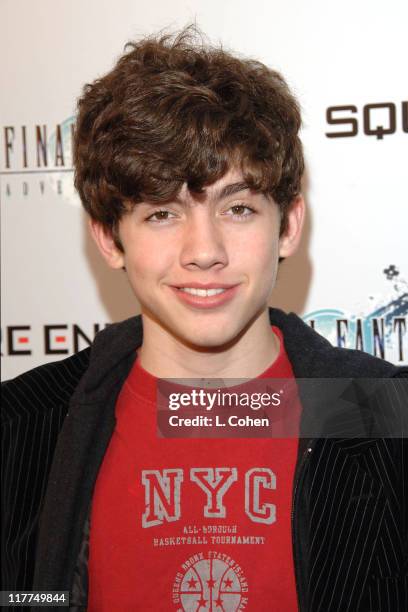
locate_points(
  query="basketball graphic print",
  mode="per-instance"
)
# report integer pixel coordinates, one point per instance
(211, 584)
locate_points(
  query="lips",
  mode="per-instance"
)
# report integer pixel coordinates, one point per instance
(211, 295)
(202, 292)
(205, 285)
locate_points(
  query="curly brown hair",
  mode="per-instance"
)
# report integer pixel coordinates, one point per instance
(177, 110)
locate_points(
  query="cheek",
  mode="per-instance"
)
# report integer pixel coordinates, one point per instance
(147, 256)
(258, 251)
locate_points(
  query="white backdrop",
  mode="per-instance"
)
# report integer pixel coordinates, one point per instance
(349, 278)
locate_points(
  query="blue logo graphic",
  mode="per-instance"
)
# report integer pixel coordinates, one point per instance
(380, 331)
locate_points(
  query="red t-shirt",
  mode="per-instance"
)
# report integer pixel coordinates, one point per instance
(191, 524)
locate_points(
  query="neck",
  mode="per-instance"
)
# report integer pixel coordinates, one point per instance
(165, 356)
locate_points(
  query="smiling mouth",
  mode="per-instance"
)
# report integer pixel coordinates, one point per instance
(202, 292)
(205, 298)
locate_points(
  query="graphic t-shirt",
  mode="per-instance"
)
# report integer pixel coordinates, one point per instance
(191, 524)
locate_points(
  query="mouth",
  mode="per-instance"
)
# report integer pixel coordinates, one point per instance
(210, 297)
(202, 292)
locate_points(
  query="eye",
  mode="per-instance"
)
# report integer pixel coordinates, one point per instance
(159, 216)
(238, 211)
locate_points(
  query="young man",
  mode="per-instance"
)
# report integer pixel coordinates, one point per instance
(188, 162)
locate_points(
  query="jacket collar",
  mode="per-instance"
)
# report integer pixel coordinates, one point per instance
(311, 355)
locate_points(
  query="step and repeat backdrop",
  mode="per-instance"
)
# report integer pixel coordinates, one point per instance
(347, 65)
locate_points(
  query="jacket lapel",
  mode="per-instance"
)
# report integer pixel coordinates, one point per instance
(80, 449)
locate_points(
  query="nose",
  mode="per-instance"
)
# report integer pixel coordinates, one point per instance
(203, 242)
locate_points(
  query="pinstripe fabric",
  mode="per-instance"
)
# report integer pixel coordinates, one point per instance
(347, 515)
(351, 510)
(33, 409)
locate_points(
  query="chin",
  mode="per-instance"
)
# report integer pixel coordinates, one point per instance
(208, 339)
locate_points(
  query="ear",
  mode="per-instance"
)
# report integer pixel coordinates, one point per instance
(106, 244)
(290, 239)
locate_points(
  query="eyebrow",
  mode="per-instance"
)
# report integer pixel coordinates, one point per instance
(229, 190)
(220, 194)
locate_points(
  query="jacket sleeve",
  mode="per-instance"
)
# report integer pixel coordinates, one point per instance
(401, 391)
(30, 427)
(34, 406)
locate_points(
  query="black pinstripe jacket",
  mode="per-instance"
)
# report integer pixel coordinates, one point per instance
(350, 495)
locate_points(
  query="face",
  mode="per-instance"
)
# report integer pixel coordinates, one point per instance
(202, 268)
